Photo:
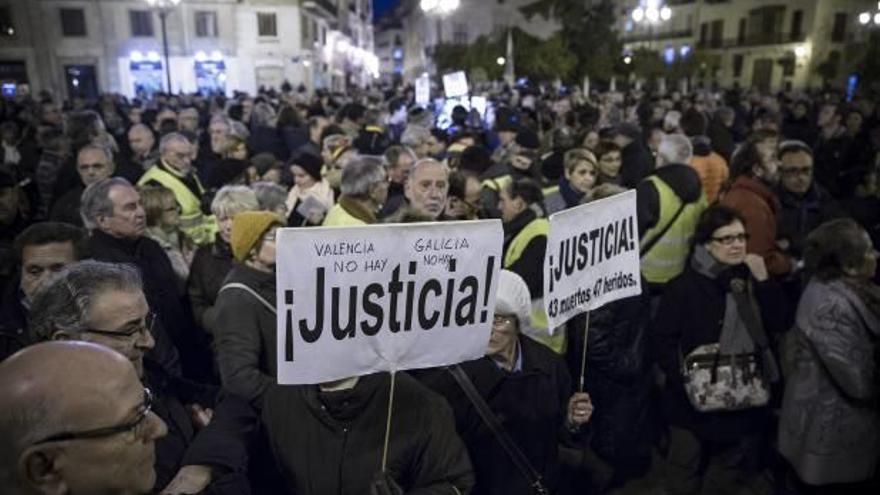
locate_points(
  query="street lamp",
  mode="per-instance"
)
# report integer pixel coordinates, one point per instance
(866, 18)
(500, 60)
(651, 13)
(163, 7)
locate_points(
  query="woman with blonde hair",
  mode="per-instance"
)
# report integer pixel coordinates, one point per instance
(163, 226)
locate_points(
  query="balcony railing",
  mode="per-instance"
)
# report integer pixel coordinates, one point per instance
(753, 40)
(657, 36)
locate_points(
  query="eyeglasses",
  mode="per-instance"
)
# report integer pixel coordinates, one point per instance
(90, 166)
(727, 240)
(146, 326)
(500, 320)
(134, 426)
(793, 171)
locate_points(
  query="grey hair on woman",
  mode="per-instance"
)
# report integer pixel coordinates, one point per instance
(361, 174)
(65, 302)
(96, 203)
(230, 200)
(271, 196)
(835, 247)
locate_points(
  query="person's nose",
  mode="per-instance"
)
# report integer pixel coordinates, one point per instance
(156, 427)
(145, 340)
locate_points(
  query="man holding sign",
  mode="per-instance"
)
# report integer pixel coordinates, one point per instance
(376, 299)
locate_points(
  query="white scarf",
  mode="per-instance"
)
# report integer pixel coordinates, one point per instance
(320, 190)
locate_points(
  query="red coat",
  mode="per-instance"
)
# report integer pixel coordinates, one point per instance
(759, 205)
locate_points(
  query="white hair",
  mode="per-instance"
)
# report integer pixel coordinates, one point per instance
(675, 148)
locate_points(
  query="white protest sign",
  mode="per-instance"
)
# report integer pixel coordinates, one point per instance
(358, 300)
(455, 84)
(592, 257)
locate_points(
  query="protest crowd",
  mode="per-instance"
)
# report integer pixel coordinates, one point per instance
(138, 327)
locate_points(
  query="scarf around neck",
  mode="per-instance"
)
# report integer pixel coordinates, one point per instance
(735, 337)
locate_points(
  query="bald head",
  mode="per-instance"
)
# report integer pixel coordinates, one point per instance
(141, 139)
(58, 387)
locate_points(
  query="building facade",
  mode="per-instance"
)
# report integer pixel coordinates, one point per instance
(763, 44)
(85, 47)
(472, 19)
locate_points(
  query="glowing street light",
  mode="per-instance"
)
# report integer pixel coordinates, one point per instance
(865, 18)
(500, 60)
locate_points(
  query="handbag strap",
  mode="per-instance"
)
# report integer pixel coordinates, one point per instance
(513, 451)
(240, 286)
(748, 311)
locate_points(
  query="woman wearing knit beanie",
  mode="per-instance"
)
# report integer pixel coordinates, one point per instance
(245, 329)
(311, 195)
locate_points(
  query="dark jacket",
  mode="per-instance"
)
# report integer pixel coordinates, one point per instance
(222, 445)
(801, 129)
(618, 377)
(396, 199)
(334, 445)
(638, 163)
(293, 138)
(209, 268)
(682, 179)
(833, 166)
(691, 314)
(265, 139)
(798, 216)
(531, 405)
(224, 172)
(721, 138)
(13, 321)
(160, 289)
(244, 334)
(66, 207)
(530, 265)
(830, 425)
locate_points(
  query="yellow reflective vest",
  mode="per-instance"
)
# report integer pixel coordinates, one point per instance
(337, 216)
(539, 325)
(199, 227)
(667, 258)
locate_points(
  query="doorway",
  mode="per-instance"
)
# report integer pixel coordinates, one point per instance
(81, 81)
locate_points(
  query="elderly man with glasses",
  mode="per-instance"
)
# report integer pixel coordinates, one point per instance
(104, 303)
(74, 418)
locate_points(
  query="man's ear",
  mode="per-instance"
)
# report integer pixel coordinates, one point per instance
(61, 335)
(38, 468)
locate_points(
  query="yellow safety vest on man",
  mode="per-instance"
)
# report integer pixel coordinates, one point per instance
(667, 257)
(201, 228)
(337, 216)
(539, 324)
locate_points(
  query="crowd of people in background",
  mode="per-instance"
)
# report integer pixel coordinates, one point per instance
(138, 325)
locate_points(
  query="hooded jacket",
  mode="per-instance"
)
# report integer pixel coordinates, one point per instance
(331, 442)
(758, 204)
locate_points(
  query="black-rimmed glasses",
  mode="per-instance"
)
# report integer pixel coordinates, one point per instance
(109, 430)
(147, 325)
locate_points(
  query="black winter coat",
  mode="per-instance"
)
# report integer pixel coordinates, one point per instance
(222, 445)
(330, 443)
(244, 334)
(638, 163)
(209, 267)
(618, 377)
(531, 405)
(691, 314)
(160, 288)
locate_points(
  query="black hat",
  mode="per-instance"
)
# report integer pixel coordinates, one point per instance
(629, 130)
(475, 158)
(528, 139)
(310, 163)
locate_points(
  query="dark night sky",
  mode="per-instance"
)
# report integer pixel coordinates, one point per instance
(382, 6)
